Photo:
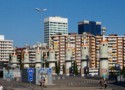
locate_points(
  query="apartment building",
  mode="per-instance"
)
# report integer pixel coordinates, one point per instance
(116, 49)
(60, 42)
(6, 49)
(32, 52)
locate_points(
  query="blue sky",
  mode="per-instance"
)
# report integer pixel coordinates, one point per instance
(21, 23)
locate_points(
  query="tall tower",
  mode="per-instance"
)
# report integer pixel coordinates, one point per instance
(68, 57)
(52, 60)
(26, 58)
(38, 57)
(54, 25)
(14, 61)
(104, 55)
(85, 56)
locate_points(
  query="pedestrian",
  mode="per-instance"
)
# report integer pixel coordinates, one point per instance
(1, 87)
(42, 82)
(61, 77)
(101, 83)
(105, 84)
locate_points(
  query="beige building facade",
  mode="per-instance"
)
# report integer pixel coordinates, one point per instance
(116, 49)
(6, 49)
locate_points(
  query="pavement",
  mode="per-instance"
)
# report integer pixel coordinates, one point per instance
(65, 88)
(66, 83)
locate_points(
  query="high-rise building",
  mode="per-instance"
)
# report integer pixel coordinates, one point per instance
(54, 25)
(89, 27)
(6, 49)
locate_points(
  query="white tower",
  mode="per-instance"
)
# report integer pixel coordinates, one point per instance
(104, 55)
(52, 60)
(68, 57)
(38, 57)
(14, 61)
(85, 55)
(26, 58)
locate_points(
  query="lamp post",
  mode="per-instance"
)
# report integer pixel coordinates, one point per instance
(41, 11)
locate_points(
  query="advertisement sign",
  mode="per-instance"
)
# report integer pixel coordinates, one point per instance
(104, 72)
(45, 70)
(16, 74)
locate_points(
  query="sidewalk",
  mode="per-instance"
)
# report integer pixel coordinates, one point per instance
(64, 88)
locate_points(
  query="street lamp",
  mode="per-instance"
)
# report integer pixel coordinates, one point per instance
(41, 11)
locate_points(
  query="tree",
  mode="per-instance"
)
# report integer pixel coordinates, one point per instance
(63, 68)
(111, 70)
(46, 64)
(57, 68)
(123, 72)
(75, 68)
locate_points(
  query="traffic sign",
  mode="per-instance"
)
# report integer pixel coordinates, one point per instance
(30, 74)
(30, 77)
(104, 75)
(49, 71)
(8, 75)
(30, 70)
(45, 70)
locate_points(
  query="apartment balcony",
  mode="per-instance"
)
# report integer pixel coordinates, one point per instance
(56, 42)
(120, 62)
(73, 41)
(120, 56)
(62, 44)
(93, 44)
(113, 42)
(62, 41)
(62, 52)
(78, 40)
(78, 43)
(78, 52)
(78, 46)
(78, 37)
(6, 43)
(78, 49)
(119, 41)
(112, 39)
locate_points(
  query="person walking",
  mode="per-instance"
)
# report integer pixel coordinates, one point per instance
(105, 84)
(101, 83)
(43, 82)
(1, 87)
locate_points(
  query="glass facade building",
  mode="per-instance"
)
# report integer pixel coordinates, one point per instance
(89, 27)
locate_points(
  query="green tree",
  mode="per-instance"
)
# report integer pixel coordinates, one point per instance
(123, 72)
(46, 64)
(112, 68)
(75, 68)
(57, 68)
(64, 68)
